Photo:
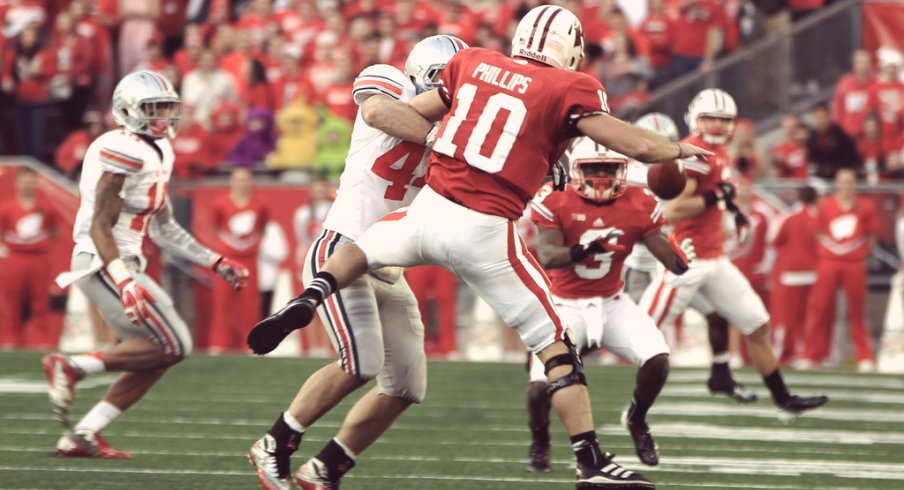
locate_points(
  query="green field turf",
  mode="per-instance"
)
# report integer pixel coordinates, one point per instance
(194, 429)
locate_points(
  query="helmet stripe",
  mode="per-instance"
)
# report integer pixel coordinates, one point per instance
(536, 23)
(546, 29)
(453, 43)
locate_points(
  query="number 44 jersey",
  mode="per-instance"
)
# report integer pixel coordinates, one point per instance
(636, 213)
(382, 173)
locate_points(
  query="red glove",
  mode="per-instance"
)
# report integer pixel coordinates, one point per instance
(232, 272)
(135, 299)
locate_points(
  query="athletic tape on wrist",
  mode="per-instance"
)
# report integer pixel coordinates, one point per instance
(118, 272)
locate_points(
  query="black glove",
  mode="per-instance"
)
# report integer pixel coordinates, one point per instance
(560, 176)
(728, 190)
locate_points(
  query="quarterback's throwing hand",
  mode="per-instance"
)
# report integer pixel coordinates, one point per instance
(232, 272)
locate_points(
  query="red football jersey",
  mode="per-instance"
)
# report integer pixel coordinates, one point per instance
(510, 119)
(636, 213)
(851, 103)
(791, 159)
(706, 228)
(795, 241)
(239, 228)
(844, 234)
(749, 254)
(887, 100)
(26, 230)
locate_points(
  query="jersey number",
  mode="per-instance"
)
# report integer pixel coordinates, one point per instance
(399, 175)
(155, 203)
(486, 128)
(602, 262)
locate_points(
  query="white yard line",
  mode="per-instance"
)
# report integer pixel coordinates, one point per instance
(795, 378)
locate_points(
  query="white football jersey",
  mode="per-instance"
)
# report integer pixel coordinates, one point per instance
(382, 173)
(143, 193)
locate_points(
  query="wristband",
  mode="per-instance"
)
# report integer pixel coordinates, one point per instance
(117, 271)
(578, 253)
(710, 198)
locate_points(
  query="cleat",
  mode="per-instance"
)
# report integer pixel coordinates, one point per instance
(610, 475)
(86, 444)
(269, 332)
(644, 445)
(796, 405)
(731, 389)
(537, 458)
(272, 465)
(62, 376)
(313, 475)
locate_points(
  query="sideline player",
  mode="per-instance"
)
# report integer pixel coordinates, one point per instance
(584, 236)
(697, 214)
(374, 322)
(123, 198)
(506, 121)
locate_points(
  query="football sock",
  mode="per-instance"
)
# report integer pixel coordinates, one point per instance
(651, 378)
(776, 385)
(540, 434)
(587, 449)
(287, 438)
(98, 417)
(337, 458)
(88, 363)
(720, 368)
(320, 288)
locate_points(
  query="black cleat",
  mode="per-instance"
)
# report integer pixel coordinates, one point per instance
(537, 458)
(644, 445)
(731, 389)
(610, 475)
(795, 405)
(270, 332)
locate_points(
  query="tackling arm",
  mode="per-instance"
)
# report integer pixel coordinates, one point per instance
(396, 118)
(166, 232)
(638, 143)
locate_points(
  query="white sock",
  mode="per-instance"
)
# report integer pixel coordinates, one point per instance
(348, 452)
(293, 423)
(721, 358)
(89, 363)
(98, 417)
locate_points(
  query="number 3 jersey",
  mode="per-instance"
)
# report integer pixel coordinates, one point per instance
(143, 192)
(381, 173)
(636, 214)
(509, 120)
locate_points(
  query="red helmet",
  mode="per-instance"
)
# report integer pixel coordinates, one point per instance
(597, 173)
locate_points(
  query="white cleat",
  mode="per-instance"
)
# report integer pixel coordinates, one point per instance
(62, 376)
(272, 467)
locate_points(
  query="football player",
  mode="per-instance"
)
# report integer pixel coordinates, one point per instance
(123, 198)
(697, 213)
(584, 236)
(374, 322)
(505, 122)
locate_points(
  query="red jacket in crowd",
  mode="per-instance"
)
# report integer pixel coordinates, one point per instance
(851, 103)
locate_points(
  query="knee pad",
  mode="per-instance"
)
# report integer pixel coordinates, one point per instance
(572, 358)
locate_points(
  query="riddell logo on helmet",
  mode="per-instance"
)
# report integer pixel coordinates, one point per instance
(533, 55)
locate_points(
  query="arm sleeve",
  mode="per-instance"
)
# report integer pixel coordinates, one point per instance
(173, 238)
(543, 208)
(381, 80)
(585, 97)
(120, 160)
(696, 168)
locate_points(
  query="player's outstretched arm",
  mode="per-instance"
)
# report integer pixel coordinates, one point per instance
(395, 118)
(636, 142)
(673, 256)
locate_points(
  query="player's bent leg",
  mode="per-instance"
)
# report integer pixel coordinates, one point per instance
(651, 377)
(538, 408)
(720, 381)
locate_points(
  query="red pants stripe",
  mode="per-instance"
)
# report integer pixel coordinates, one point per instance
(832, 275)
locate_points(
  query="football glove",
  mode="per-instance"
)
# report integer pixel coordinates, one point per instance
(232, 272)
(684, 251)
(135, 300)
(560, 176)
(742, 226)
(604, 243)
(728, 190)
(430, 138)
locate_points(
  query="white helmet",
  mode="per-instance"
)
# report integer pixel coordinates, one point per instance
(428, 58)
(660, 124)
(552, 35)
(145, 102)
(712, 102)
(597, 173)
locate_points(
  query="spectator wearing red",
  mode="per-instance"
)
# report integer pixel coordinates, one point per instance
(337, 97)
(193, 148)
(27, 70)
(187, 57)
(852, 95)
(171, 23)
(393, 47)
(139, 23)
(411, 16)
(219, 14)
(873, 150)
(71, 152)
(731, 27)
(239, 218)
(456, 19)
(28, 226)
(485, 37)
(748, 250)
(697, 28)
(293, 84)
(435, 290)
(257, 20)
(156, 58)
(206, 87)
(259, 94)
(794, 274)
(233, 50)
(226, 131)
(657, 28)
(829, 147)
(747, 160)
(789, 156)
(272, 55)
(625, 72)
(72, 80)
(300, 21)
(887, 95)
(847, 227)
(596, 27)
(91, 27)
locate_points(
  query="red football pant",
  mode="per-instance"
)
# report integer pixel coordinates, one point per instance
(435, 285)
(24, 286)
(789, 313)
(233, 313)
(830, 276)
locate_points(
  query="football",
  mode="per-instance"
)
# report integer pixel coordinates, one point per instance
(666, 180)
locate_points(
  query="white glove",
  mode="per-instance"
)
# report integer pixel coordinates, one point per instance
(687, 246)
